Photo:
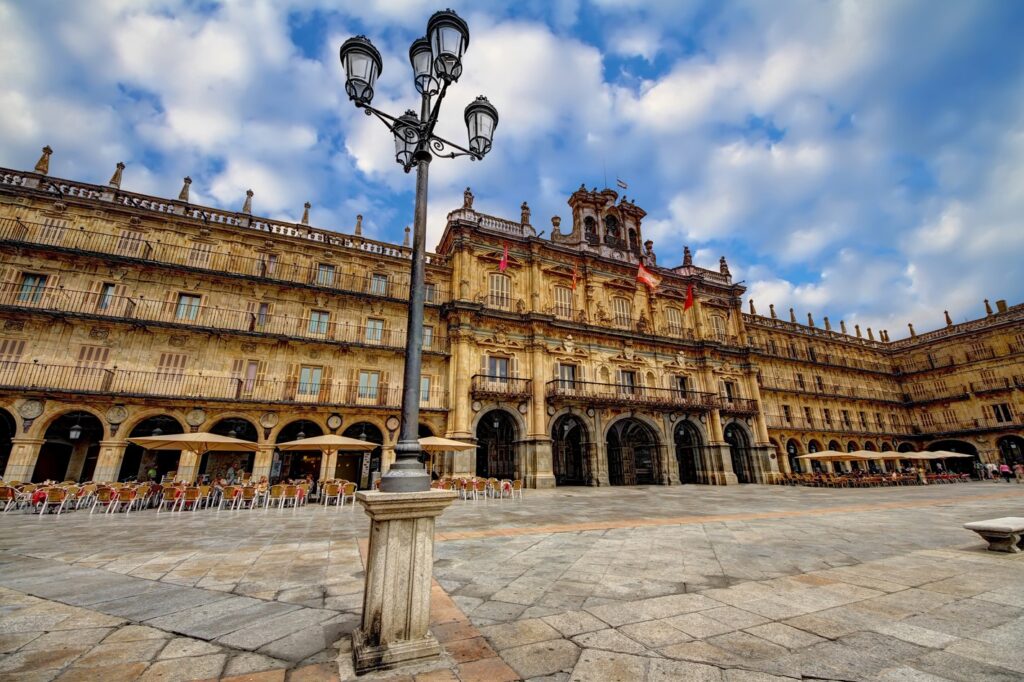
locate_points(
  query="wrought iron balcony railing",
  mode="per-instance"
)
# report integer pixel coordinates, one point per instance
(98, 304)
(596, 393)
(738, 405)
(500, 387)
(830, 389)
(204, 257)
(30, 376)
(795, 423)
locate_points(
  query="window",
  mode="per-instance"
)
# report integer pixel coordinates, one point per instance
(188, 307)
(682, 384)
(497, 367)
(53, 230)
(318, 321)
(1002, 412)
(199, 255)
(268, 264)
(430, 293)
(251, 371)
(171, 368)
(718, 325)
(106, 296)
(827, 413)
(622, 309)
(129, 242)
(846, 419)
(567, 375)
(675, 321)
(627, 381)
(309, 380)
(379, 284)
(729, 387)
(563, 302)
(261, 315)
(374, 331)
(428, 338)
(800, 382)
(787, 414)
(878, 420)
(325, 274)
(500, 292)
(424, 389)
(369, 382)
(820, 383)
(809, 416)
(91, 358)
(32, 287)
(773, 347)
(863, 420)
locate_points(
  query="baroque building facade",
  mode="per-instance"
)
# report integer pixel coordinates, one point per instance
(125, 315)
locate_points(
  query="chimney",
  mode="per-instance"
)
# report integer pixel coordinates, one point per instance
(359, 224)
(305, 212)
(247, 206)
(43, 164)
(857, 327)
(810, 320)
(115, 179)
(988, 308)
(753, 311)
(771, 310)
(949, 320)
(1001, 305)
(183, 194)
(842, 326)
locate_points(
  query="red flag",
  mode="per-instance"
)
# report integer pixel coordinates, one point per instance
(575, 274)
(504, 260)
(689, 298)
(647, 277)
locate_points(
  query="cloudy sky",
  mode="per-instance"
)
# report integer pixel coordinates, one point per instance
(862, 160)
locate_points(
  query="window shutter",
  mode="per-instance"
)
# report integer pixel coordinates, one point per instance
(385, 387)
(292, 382)
(483, 364)
(325, 384)
(170, 302)
(92, 297)
(513, 367)
(236, 368)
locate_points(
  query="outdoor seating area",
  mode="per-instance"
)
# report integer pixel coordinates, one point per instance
(174, 497)
(859, 479)
(482, 488)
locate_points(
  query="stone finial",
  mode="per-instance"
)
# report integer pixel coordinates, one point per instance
(115, 179)
(949, 320)
(857, 327)
(687, 257)
(43, 164)
(405, 240)
(988, 307)
(771, 311)
(828, 325)
(792, 316)
(884, 335)
(723, 267)
(753, 310)
(247, 206)
(524, 213)
(305, 212)
(910, 326)
(871, 335)
(556, 222)
(467, 199)
(649, 257)
(842, 326)
(810, 320)
(359, 224)
(183, 194)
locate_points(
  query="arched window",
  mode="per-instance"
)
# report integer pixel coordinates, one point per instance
(622, 309)
(590, 230)
(500, 292)
(612, 232)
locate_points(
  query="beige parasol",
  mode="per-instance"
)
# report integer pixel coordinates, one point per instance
(328, 443)
(436, 444)
(831, 456)
(198, 443)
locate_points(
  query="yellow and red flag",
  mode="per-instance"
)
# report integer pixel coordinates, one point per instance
(647, 277)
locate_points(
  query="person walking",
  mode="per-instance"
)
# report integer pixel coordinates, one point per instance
(1004, 471)
(990, 469)
(1018, 471)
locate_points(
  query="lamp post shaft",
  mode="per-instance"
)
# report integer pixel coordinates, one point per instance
(407, 474)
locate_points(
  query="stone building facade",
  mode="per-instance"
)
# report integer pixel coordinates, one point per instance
(125, 315)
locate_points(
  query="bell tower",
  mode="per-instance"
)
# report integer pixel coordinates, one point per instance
(602, 226)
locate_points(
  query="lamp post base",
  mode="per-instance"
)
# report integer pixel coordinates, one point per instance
(399, 567)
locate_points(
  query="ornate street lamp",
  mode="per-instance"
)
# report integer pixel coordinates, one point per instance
(436, 61)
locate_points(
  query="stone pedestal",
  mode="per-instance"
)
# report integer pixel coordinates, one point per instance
(399, 567)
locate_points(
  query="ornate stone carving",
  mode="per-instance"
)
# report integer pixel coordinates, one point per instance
(14, 325)
(30, 409)
(99, 333)
(117, 414)
(178, 341)
(249, 347)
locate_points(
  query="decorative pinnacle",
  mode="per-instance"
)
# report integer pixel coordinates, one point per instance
(247, 207)
(305, 212)
(43, 164)
(857, 327)
(359, 224)
(753, 310)
(949, 320)
(810, 320)
(911, 327)
(405, 241)
(115, 179)
(842, 326)
(183, 194)
(828, 325)
(771, 309)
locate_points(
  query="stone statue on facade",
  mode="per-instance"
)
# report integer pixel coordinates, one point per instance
(723, 267)
(687, 257)
(649, 257)
(524, 215)
(467, 199)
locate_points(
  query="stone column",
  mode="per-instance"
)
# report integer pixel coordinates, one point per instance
(723, 473)
(22, 462)
(108, 464)
(328, 464)
(539, 473)
(459, 390)
(76, 463)
(261, 463)
(600, 448)
(399, 567)
(672, 469)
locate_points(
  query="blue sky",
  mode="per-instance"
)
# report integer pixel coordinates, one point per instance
(861, 160)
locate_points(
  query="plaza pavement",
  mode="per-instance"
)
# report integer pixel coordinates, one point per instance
(651, 583)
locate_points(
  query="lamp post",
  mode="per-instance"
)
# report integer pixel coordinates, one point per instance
(437, 64)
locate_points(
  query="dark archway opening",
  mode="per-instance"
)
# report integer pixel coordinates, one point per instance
(792, 452)
(360, 467)
(230, 465)
(496, 436)
(632, 450)
(959, 465)
(689, 452)
(739, 451)
(569, 451)
(1011, 450)
(290, 465)
(8, 427)
(140, 464)
(70, 449)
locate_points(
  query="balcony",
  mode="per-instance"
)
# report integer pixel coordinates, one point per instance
(995, 385)
(795, 423)
(926, 364)
(819, 358)
(96, 305)
(976, 354)
(595, 393)
(737, 405)
(831, 390)
(963, 424)
(30, 376)
(500, 388)
(131, 246)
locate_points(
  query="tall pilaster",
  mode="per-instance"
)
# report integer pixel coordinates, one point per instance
(22, 461)
(108, 464)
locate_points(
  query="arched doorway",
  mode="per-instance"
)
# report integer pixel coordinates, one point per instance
(359, 467)
(8, 427)
(689, 451)
(496, 435)
(1011, 449)
(70, 450)
(739, 451)
(868, 445)
(632, 450)
(792, 452)
(228, 464)
(144, 465)
(960, 465)
(289, 465)
(569, 450)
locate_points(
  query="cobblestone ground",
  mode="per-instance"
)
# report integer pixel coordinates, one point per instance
(681, 583)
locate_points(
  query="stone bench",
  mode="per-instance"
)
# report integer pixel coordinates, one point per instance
(1002, 535)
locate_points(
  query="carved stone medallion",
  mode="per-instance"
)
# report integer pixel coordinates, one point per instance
(117, 414)
(195, 416)
(30, 409)
(268, 420)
